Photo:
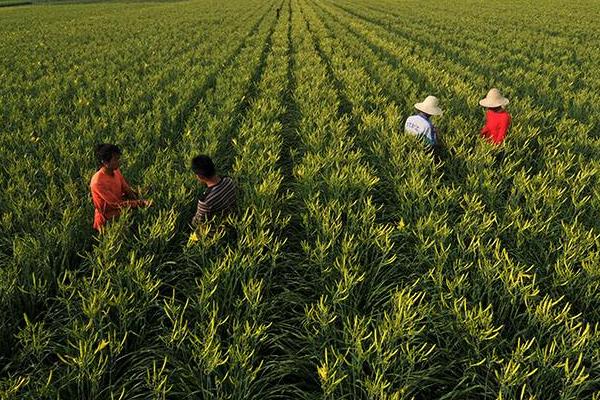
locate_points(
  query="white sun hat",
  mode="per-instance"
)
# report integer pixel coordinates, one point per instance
(429, 106)
(494, 99)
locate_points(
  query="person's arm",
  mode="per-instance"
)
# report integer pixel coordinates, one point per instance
(130, 193)
(102, 203)
(485, 131)
(406, 127)
(428, 135)
(202, 213)
(127, 190)
(436, 136)
(488, 131)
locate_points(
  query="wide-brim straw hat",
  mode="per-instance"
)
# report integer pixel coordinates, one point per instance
(429, 106)
(494, 99)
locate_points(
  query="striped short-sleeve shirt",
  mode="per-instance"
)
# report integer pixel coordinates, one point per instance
(216, 200)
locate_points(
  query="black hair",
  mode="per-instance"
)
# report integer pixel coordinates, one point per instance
(106, 151)
(202, 165)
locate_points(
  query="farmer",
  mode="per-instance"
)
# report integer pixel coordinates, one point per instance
(278, 12)
(110, 191)
(420, 123)
(220, 194)
(497, 119)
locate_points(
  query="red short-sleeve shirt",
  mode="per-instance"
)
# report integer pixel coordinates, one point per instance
(496, 125)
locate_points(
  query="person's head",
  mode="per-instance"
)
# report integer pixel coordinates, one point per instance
(204, 168)
(108, 156)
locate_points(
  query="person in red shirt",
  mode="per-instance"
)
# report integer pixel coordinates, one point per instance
(497, 119)
(110, 191)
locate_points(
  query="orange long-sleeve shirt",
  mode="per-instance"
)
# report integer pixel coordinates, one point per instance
(496, 125)
(108, 193)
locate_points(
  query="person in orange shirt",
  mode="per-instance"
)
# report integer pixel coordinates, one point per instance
(110, 191)
(497, 119)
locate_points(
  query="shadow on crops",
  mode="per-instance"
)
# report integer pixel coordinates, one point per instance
(249, 96)
(187, 110)
(383, 55)
(15, 4)
(345, 107)
(291, 118)
(82, 2)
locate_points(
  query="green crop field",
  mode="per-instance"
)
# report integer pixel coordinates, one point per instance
(357, 266)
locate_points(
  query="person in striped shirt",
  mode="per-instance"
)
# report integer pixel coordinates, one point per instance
(219, 197)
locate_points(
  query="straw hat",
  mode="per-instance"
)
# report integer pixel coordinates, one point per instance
(494, 99)
(429, 106)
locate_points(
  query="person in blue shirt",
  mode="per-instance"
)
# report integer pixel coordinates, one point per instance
(420, 124)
